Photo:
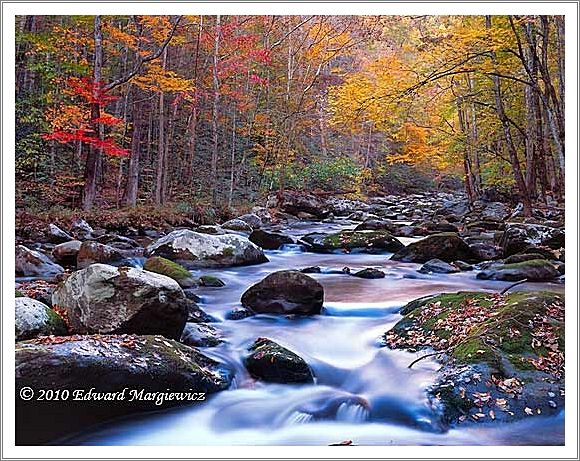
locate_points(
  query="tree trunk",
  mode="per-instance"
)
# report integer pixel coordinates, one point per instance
(215, 112)
(160, 172)
(132, 187)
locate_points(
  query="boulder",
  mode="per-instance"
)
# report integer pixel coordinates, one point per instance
(536, 270)
(486, 251)
(118, 241)
(251, 219)
(171, 269)
(211, 281)
(344, 207)
(193, 249)
(237, 225)
(66, 253)
(370, 273)
(92, 252)
(200, 335)
(40, 290)
(447, 247)
(285, 292)
(81, 229)
(363, 241)
(106, 365)
(519, 237)
(268, 361)
(521, 257)
(57, 235)
(30, 263)
(269, 240)
(34, 318)
(463, 266)
(436, 266)
(239, 313)
(262, 213)
(110, 300)
(296, 202)
(377, 224)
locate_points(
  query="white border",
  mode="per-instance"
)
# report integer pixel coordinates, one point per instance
(10, 10)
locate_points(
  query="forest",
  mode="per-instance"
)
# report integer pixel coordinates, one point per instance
(290, 230)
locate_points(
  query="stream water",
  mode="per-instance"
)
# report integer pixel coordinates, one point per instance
(363, 392)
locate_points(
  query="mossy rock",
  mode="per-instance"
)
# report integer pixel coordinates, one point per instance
(18, 294)
(211, 281)
(535, 270)
(171, 269)
(446, 246)
(374, 241)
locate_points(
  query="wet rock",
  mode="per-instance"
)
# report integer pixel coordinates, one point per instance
(311, 270)
(436, 266)
(536, 270)
(268, 361)
(295, 202)
(262, 213)
(211, 229)
(463, 266)
(285, 292)
(252, 220)
(406, 231)
(269, 240)
(91, 252)
(211, 281)
(447, 247)
(377, 224)
(370, 273)
(66, 253)
(171, 269)
(193, 249)
(200, 335)
(520, 258)
(30, 263)
(118, 241)
(436, 227)
(486, 251)
(110, 300)
(196, 314)
(364, 241)
(519, 237)
(81, 229)
(106, 364)
(33, 318)
(57, 235)
(237, 225)
(239, 313)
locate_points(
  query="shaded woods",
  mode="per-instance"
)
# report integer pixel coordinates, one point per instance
(176, 111)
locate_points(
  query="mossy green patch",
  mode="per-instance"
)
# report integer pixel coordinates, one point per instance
(166, 267)
(19, 294)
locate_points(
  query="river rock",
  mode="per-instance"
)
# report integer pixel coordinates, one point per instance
(262, 213)
(193, 249)
(118, 241)
(521, 257)
(239, 313)
(370, 273)
(377, 224)
(66, 253)
(171, 269)
(344, 207)
(30, 263)
(285, 292)
(436, 266)
(269, 240)
(109, 300)
(252, 220)
(365, 241)
(536, 270)
(295, 202)
(447, 247)
(269, 361)
(486, 251)
(237, 225)
(91, 252)
(105, 364)
(57, 235)
(211, 281)
(81, 229)
(34, 318)
(520, 237)
(200, 335)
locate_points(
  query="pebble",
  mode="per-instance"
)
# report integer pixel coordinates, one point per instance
(552, 404)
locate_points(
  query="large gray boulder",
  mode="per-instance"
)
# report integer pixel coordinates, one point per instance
(446, 246)
(521, 237)
(109, 300)
(535, 270)
(33, 318)
(30, 263)
(285, 292)
(106, 365)
(194, 249)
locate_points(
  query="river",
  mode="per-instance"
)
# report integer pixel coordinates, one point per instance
(363, 392)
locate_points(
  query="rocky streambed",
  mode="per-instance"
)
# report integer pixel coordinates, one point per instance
(298, 326)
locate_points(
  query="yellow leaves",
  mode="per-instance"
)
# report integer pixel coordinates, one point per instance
(156, 79)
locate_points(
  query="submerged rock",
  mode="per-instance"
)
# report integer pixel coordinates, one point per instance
(30, 263)
(370, 273)
(200, 335)
(109, 300)
(271, 362)
(33, 318)
(171, 269)
(193, 249)
(105, 365)
(447, 247)
(364, 241)
(285, 292)
(535, 270)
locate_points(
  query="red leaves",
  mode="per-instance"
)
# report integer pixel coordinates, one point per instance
(92, 92)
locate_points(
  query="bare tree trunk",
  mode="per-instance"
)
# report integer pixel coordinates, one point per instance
(159, 197)
(132, 187)
(233, 158)
(215, 111)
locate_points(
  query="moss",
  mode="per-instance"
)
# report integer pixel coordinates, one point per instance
(166, 267)
(56, 323)
(19, 294)
(529, 263)
(352, 239)
(210, 281)
(228, 251)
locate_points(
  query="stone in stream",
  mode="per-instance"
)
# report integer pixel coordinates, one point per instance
(193, 249)
(66, 253)
(377, 224)
(81, 229)
(535, 270)
(311, 270)
(57, 235)
(237, 225)
(251, 219)
(520, 237)
(30, 263)
(462, 265)
(269, 240)
(364, 241)
(92, 252)
(200, 335)
(447, 247)
(211, 281)
(106, 364)
(285, 292)
(370, 273)
(33, 318)
(171, 269)
(239, 313)
(268, 361)
(109, 300)
(437, 266)
(295, 203)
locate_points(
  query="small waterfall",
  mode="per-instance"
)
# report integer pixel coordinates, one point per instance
(299, 417)
(351, 412)
(292, 248)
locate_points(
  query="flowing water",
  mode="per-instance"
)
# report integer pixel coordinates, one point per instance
(363, 392)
